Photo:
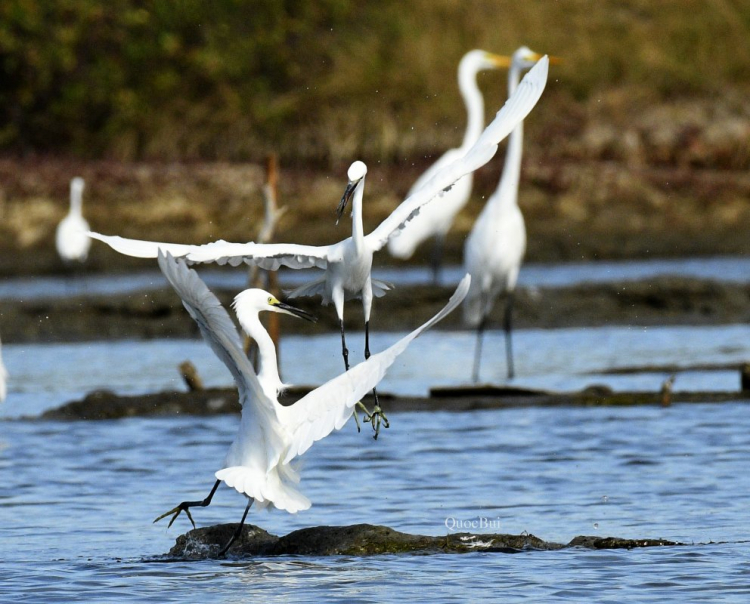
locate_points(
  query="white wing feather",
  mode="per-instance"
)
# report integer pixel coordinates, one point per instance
(516, 108)
(265, 255)
(328, 407)
(215, 326)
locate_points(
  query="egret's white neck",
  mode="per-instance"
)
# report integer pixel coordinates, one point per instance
(268, 368)
(76, 202)
(508, 187)
(358, 229)
(467, 84)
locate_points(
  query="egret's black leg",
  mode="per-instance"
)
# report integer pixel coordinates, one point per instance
(478, 348)
(480, 336)
(377, 417)
(344, 349)
(238, 531)
(186, 505)
(508, 325)
(436, 259)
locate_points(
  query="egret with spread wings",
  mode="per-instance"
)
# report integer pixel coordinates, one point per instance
(348, 263)
(271, 435)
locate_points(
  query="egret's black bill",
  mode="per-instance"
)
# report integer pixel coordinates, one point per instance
(297, 312)
(344, 200)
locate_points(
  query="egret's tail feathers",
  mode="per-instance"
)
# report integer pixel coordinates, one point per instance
(314, 288)
(380, 287)
(275, 488)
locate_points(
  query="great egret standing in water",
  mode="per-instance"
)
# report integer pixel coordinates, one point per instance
(270, 435)
(494, 249)
(71, 238)
(348, 264)
(436, 219)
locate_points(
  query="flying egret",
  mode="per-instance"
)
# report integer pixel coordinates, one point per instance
(271, 435)
(71, 239)
(494, 249)
(3, 375)
(348, 263)
(436, 219)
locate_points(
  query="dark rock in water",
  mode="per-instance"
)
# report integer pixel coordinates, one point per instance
(206, 543)
(616, 543)
(369, 540)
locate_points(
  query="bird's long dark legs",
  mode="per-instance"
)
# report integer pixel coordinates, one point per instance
(377, 417)
(345, 352)
(478, 349)
(480, 336)
(508, 325)
(436, 258)
(344, 349)
(238, 530)
(186, 505)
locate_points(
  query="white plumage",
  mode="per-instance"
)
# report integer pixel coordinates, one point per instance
(495, 247)
(348, 264)
(435, 220)
(71, 238)
(270, 435)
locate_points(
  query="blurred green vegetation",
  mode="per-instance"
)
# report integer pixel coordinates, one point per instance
(325, 80)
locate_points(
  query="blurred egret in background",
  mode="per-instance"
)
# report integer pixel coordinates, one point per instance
(436, 219)
(71, 238)
(494, 249)
(271, 435)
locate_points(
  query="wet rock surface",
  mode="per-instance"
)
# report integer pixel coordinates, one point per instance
(370, 540)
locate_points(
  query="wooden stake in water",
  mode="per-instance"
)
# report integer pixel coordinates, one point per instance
(267, 280)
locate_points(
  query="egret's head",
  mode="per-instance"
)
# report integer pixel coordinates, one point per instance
(356, 174)
(258, 300)
(525, 58)
(475, 61)
(76, 185)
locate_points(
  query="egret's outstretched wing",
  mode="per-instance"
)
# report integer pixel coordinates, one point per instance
(269, 256)
(328, 407)
(516, 108)
(215, 326)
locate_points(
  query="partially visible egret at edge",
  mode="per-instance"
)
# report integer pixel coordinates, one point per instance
(71, 238)
(348, 263)
(494, 249)
(436, 219)
(271, 435)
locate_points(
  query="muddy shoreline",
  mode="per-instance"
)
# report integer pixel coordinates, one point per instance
(106, 405)
(159, 313)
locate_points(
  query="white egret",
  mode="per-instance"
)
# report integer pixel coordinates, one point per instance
(348, 264)
(271, 435)
(71, 239)
(3, 376)
(436, 219)
(494, 249)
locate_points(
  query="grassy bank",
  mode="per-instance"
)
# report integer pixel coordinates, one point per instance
(320, 82)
